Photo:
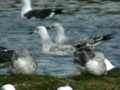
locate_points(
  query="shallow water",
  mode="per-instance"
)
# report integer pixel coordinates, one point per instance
(82, 18)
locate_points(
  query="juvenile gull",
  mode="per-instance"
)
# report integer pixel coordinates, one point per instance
(92, 60)
(29, 13)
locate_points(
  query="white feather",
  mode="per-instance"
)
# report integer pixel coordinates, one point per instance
(96, 65)
(109, 65)
(8, 87)
(95, 68)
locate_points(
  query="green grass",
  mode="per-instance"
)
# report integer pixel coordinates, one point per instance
(81, 82)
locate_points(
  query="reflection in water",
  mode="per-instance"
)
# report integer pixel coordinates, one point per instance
(82, 18)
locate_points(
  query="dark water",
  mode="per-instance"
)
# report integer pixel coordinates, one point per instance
(82, 18)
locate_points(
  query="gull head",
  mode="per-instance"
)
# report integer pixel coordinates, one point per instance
(7, 87)
(57, 27)
(42, 31)
(65, 88)
(26, 2)
(60, 37)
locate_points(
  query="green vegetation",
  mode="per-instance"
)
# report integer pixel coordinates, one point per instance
(81, 82)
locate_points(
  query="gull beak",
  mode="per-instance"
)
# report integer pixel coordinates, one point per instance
(34, 31)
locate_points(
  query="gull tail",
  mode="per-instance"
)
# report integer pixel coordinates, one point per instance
(58, 11)
(94, 41)
(99, 39)
(104, 37)
(109, 65)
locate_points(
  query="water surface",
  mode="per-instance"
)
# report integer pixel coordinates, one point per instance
(82, 18)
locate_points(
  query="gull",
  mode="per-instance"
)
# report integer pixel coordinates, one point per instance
(91, 59)
(60, 37)
(65, 88)
(7, 87)
(28, 12)
(23, 63)
(49, 47)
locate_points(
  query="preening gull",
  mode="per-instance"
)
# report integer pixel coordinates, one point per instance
(49, 47)
(60, 38)
(8, 87)
(65, 88)
(29, 13)
(17, 61)
(92, 60)
(23, 63)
